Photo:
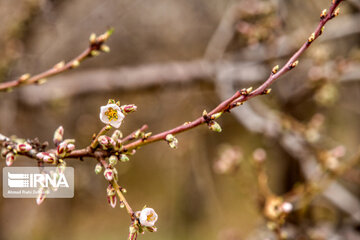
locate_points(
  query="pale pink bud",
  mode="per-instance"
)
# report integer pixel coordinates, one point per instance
(41, 197)
(109, 174)
(58, 135)
(128, 108)
(10, 158)
(23, 147)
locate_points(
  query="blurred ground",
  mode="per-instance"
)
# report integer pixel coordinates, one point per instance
(192, 201)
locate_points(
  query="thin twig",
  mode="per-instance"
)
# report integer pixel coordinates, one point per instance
(96, 45)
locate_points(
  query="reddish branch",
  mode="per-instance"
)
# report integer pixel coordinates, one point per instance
(96, 45)
(237, 99)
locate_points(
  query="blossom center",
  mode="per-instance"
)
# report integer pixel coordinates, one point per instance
(111, 114)
(150, 217)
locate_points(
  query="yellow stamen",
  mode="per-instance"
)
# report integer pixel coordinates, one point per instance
(150, 217)
(111, 114)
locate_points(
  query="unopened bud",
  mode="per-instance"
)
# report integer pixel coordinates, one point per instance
(41, 197)
(294, 64)
(94, 53)
(216, 115)
(75, 64)
(311, 38)
(174, 144)
(23, 147)
(49, 157)
(58, 135)
(41, 81)
(275, 69)
(128, 108)
(323, 14)
(109, 174)
(322, 29)
(105, 48)
(24, 77)
(112, 201)
(10, 158)
(336, 12)
(124, 158)
(106, 142)
(267, 91)
(59, 65)
(170, 138)
(98, 168)
(204, 113)
(147, 135)
(214, 126)
(117, 135)
(113, 160)
(92, 38)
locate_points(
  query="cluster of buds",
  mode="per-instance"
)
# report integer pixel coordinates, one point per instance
(106, 142)
(172, 141)
(11, 150)
(97, 42)
(46, 157)
(246, 91)
(213, 126)
(145, 220)
(65, 147)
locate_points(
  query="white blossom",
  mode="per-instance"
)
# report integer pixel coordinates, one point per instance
(148, 217)
(111, 114)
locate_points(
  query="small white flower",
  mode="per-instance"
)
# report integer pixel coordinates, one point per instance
(111, 114)
(148, 217)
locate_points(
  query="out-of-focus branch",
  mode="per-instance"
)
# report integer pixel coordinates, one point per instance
(96, 45)
(250, 69)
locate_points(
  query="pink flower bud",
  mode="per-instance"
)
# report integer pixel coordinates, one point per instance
(47, 157)
(41, 197)
(23, 147)
(106, 141)
(128, 108)
(112, 201)
(70, 147)
(58, 135)
(10, 158)
(109, 174)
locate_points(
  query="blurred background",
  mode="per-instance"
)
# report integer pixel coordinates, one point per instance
(173, 59)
